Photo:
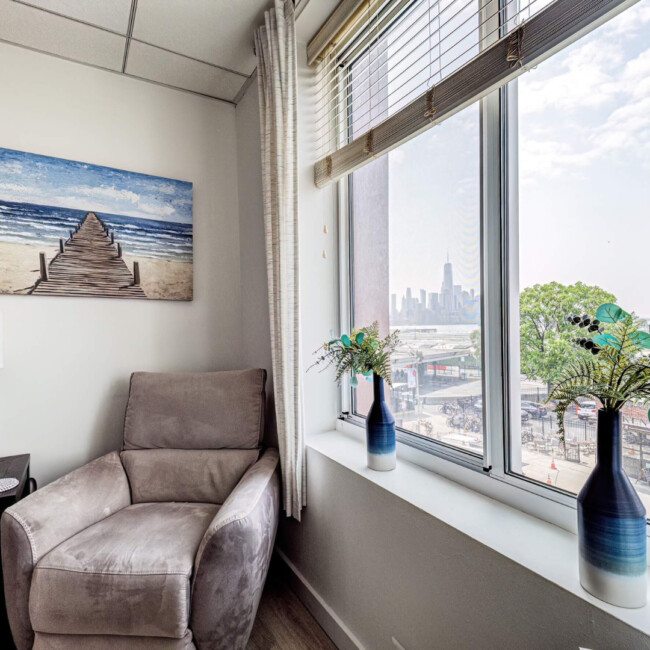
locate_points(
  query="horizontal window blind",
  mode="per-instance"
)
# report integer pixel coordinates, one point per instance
(389, 69)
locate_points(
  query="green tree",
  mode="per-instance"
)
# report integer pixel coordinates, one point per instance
(546, 336)
(475, 346)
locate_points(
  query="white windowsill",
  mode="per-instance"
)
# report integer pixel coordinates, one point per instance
(541, 547)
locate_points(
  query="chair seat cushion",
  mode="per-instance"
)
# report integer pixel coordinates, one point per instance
(128, 574)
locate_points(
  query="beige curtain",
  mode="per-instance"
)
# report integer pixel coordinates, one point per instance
(277, 78)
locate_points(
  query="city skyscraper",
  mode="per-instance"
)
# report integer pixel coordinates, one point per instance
(447, 289)
(451, 306)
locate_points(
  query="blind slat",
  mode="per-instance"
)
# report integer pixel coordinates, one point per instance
(341, 19)
(554, 27)
(401, 84)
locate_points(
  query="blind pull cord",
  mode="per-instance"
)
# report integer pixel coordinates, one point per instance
(430, 106)
(370, 142)
(515, 56)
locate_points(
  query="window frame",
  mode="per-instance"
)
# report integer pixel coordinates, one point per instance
(345, 190)
(491, 474)
(465, 458)
(497, 150)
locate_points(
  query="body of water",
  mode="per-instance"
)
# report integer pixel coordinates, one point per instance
(27, 223)
(423, 331)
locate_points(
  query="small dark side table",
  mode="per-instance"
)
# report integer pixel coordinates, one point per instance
(12, 467)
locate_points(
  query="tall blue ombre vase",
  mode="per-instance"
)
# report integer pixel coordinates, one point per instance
(380, 431)
(612, 525)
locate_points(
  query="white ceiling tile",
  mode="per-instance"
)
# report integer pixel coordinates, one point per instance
(216, 31)
(109, 14)
(153, 63)
(43, 31)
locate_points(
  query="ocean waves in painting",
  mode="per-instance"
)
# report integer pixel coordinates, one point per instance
(26, 223)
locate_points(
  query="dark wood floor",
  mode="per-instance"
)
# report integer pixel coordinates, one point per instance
(283, 622)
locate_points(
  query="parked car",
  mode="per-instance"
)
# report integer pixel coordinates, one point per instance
(478, 405)
(534, 410)
(587, 410)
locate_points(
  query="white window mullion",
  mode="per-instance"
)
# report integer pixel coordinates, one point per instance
(493, 370)
(510, 167)
(345, 293)
(493, 420)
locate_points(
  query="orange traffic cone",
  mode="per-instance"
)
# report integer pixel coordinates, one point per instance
(553, 462)
(548, 480)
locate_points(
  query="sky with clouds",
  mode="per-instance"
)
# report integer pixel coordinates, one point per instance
(584, 162)
(30, 178)
(584, 175)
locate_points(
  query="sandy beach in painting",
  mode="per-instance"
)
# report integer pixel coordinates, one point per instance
(160, 279)
(19, 268)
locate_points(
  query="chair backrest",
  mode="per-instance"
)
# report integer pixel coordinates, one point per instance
(191, 436)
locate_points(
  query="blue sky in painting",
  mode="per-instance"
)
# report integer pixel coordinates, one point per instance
(31, 178)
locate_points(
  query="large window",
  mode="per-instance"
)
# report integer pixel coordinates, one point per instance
(477, 238)
(582, 166)
(417, 261)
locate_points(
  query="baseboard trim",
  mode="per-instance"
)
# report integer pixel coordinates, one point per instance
(340, 634)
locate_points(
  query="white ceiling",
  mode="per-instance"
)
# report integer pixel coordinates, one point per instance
(204, 46)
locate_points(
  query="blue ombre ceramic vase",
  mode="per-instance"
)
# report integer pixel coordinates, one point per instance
(380, 430)
(612, 525)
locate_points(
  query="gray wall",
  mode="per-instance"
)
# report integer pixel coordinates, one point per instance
(67, 361)
(386, 568)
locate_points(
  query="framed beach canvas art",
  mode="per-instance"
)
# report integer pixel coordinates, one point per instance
(73, 229)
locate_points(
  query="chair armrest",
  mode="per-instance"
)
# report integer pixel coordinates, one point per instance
(34, 526)
(233, 559)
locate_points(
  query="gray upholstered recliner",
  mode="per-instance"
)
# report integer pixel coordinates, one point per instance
(163, 546)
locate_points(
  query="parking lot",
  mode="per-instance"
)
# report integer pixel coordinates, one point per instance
(542, 457)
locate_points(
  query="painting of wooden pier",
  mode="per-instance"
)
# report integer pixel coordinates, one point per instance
(89, 263)
(74, 229)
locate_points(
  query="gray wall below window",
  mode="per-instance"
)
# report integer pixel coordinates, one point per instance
(390, 570)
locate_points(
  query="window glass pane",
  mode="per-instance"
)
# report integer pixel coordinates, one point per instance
(415, 220)
(584, 227)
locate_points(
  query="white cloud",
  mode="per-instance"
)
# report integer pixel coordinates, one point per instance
(636, 75)
(11, 167)
(583, 79)
(625, 127)
(630, 21)
(78, 203)
(157, 210)
(589, 105)
(19, 193)
(167, 188)
(111, 193)
(16, 187)
(549, 159)
(141, 208)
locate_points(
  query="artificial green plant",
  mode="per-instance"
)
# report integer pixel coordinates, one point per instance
(616, 370)
(363, 352)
